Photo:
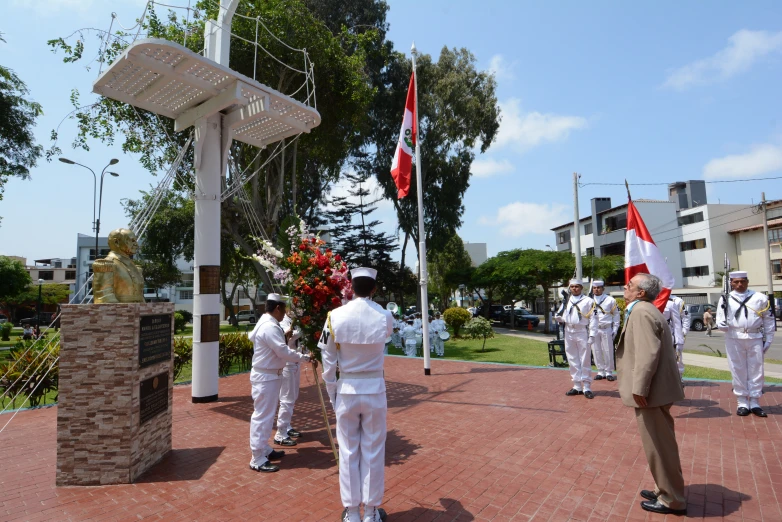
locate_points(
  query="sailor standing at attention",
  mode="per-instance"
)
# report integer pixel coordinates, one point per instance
(270, 353)
(289, 388)
(353, 340)
(607, 313)
(580, 329)
(749, 331)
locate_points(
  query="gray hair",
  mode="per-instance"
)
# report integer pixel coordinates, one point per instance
(651, 285)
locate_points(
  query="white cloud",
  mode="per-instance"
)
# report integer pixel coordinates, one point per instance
(744, 48)
(500, 67)
(761, 159)
(486, 168)
(527, 130)
(52, 7)
(518, 218)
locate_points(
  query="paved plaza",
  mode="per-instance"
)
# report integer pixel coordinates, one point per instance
(470, 442)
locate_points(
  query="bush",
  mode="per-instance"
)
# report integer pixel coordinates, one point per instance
(235, 348)
(187, 315)
(479, 328)
(183, 354)
(31, 370)
(179, 322)
(455, 318)
(5, 331)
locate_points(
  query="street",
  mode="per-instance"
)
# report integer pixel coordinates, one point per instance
(699, 341)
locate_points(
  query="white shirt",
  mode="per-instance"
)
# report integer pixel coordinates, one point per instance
(293, 342)
(609, 313)
(270, 351)
(361, 328)
(586, 317)
(409, 332)
(748, 327)
(671, 314)
(437, 326)
(683, 314)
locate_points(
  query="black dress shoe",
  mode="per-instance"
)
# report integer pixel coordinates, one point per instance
(294, 434)
(757, 410)
(742, 412)
(598, 377)
(266, 467)
(648, 495)
(655, 506)
(589, 395)
(275, 455)
(285, 442)
(611, 378)
(572, 391)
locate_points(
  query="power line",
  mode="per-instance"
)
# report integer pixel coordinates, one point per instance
(668, 184)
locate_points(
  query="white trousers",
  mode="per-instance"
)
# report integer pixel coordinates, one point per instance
(410, 347)
(578, 358)
(361, 432)
(439, 346)
(289, 394)
(680, 359)
(603, 350)
(266, 394)
(745, 358)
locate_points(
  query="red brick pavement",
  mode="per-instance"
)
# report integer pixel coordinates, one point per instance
(471, 442)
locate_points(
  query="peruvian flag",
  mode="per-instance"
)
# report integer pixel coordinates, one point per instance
(643, 257)
(402, 166)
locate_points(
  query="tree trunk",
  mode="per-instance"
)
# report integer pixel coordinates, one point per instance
(228, 300)
(294, 179)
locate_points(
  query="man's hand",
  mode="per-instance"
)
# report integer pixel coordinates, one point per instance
(640, 400)
(722, 326)
(766, 346)
(288, 335)
(313, 360)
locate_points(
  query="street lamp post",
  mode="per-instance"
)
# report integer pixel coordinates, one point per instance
(38, 307)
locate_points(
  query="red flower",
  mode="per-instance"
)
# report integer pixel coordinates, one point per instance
(302, 247)
(338, 258)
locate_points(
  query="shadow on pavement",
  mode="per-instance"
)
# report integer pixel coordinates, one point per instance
(721, 501)
(451, 510)
(182, 464)
(701, 409)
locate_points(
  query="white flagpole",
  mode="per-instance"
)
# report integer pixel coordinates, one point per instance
(421, 234)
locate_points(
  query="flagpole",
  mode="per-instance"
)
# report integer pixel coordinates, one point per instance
(421, 234)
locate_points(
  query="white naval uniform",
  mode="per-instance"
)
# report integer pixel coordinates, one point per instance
(607, 313)
(438, 325)
(396, 337)
(409, 335)
(270, 353)
(580, 326)
(744, 343)
(289, 384)
(361, 328)
(679, 320)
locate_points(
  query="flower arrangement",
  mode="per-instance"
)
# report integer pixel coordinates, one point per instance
(314, 277)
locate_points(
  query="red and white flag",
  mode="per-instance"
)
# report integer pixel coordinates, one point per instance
(402, 166)
(643, 257)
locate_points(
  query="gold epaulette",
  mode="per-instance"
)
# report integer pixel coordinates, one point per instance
(102, 266)
(331, 330)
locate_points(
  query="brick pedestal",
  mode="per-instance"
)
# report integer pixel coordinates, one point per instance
(101, 436)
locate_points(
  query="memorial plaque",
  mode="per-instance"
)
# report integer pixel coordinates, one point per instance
(210, 328)
(209, 279)
(154, 340)
(153, 394)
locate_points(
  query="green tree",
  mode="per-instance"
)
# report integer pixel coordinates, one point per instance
(546, 268)
(51, 294)
(479, 328)
(14, 278)
(607, 268)
(449, 267)
(18, 151)
(158, 274)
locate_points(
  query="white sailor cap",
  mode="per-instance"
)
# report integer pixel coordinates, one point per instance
(576, 282)
(277, 297)
(739, 274)
(598, 282)
(364, 272)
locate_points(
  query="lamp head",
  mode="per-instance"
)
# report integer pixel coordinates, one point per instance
(113, 161)
(66, 160)
(114, 174)
(40, 281)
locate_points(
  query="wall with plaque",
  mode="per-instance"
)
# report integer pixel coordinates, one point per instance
(116, 389)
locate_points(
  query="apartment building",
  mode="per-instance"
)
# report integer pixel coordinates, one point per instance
(52, 270)
(751, 250)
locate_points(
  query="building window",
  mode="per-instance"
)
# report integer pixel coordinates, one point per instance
(187, 280)
(588, 229)
(70, 274)
(563, 237)
(776, 266)
(695, 271)
(774, 213)
(612, 223)
(690, 219)
(103, 253)
(695, 244)
(775, 235)
(590, 251)
(185, 294)
(46, 275)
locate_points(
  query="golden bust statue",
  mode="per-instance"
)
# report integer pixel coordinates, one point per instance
(117, 278)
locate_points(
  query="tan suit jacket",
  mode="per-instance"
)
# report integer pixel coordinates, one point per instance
(646, 359)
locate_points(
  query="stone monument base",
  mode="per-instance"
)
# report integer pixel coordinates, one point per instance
(115, 391)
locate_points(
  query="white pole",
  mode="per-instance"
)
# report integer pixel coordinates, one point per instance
(767, 247)
(208, 172)
(421, 233)
(576, 229)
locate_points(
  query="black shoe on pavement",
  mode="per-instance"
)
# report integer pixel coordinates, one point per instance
(285, 442)
(294, 434)
(757, 410)
(611, 378)
(598, 377)
(655, 506)
(266, 467)
(589, 395)
(572, 391)
(742, 412)
(275, 455)
(648, 495)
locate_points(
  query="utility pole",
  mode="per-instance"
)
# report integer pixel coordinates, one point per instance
(576, 230)
(767, 259)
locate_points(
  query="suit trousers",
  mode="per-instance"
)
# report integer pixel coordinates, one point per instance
(266, 394)
(289, 394)
(361, 433)
(578, 357)
(662, 453)
(745, 359)
(603, 350)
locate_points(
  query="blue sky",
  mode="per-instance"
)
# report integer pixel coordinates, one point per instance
(659, 92)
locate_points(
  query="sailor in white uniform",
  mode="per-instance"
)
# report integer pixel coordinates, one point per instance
(409, 333)
(270, 353)
(607, 313)
(680, 329)
(749, 330)
(353, 340)
(438, 326)
(580, 330)
(396, 337)
(289, 388)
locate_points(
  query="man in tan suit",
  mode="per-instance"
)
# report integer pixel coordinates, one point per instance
(649, 382)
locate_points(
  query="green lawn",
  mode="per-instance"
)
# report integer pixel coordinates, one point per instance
(224, 328)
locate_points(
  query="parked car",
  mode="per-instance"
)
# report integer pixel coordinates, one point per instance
(41, 320)
(494, 313)
(3, 319)
(246, 315)
(777, 307)
(696, 315)
(522, 317)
